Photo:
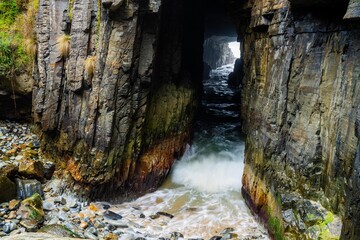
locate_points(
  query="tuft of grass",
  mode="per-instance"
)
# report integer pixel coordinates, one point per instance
(30, 47)
(63, 45)
(89, 66)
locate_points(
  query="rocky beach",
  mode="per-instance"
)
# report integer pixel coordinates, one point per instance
(36, 204)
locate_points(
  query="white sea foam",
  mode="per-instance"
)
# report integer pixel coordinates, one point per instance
(217, 172)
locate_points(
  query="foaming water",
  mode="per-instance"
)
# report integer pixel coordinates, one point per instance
(215, 172)
(203, 190)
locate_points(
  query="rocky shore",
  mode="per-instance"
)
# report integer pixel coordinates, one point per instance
(35, 204)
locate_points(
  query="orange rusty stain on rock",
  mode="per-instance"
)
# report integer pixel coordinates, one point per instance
(74, 169)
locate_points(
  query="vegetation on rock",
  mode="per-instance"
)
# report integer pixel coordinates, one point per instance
(89, 66)
(63, 45)
(17, 37)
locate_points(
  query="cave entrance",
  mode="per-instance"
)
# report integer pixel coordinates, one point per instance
(220, 101)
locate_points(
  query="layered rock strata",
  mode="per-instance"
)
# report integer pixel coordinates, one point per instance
(116, 110)
(299, 104)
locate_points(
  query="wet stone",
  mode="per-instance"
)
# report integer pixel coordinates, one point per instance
(9, 227)
(216, 238)
(49, 168)
(90, 235)
(60, 200)
(227, 230)
(229, 236)
(14, 204)
(165, 214)
(84, 225)
(154, 216)
(27, 188)
(289, 217)
(111, 215)
(12, 215)
(106, 206)
(98, 224)
(111, 236)
(176, 235)
(48, 205)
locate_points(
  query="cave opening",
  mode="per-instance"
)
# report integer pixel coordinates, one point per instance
(222, 67)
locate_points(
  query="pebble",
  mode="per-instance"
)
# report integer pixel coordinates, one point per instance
(12, 215)
(216, 238)
(48, 205)
(9, 227)
(84, 225)
(53, 220)
(227, 230)
(111, 236)
(14, 204)
(72, 203)
(111, 215)
(89, 235)
(154, 216)
(60, 200)
(165, 214)
(176, 235)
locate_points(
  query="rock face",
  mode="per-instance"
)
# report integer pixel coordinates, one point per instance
(7, 188)
(217, 52)
(15, 97)
(120, 124)
(353, 11)
(299, 105)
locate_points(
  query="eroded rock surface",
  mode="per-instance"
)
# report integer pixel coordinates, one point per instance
(120, 126)
(299, 105)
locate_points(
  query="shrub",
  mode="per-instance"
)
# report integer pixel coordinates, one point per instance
(12, 57)
(63, 45)
(89, 66)
(17, 36)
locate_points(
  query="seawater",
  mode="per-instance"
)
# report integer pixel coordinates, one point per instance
(203, 190)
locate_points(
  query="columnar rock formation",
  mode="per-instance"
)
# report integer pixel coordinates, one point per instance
(118, 125)
(117, 84)
(299, 105)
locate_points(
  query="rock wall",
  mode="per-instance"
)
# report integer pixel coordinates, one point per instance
(300, 95)
(15, 97)
(116, 110)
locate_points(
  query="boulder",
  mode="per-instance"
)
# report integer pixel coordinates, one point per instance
(32, 213)
(7, 189)
(32, 168)
(353, 10)
(27, 188)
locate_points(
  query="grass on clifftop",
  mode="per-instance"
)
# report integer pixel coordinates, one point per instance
(17, 36)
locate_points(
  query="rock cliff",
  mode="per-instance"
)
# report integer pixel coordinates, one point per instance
(116, 89)
(300, 95)
(117, 82)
